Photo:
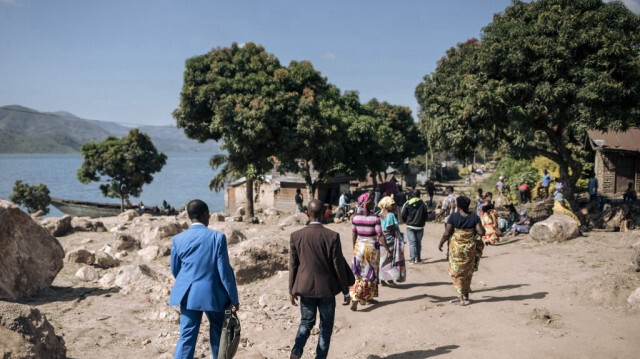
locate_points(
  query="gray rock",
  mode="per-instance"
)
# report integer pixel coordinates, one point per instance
(557, 228)
(231, 232)
(233, 219)
(216, 217)
(271, 211)
(635, 258)
(129, 214)
(105, 260)
(26, 333)
(147, 254)
(240, 211)
(30, 257)
(58, 226)
(126, 242)
(634, 298)
(87, 274)
(131, 274)
(295, 219)
(153, 235)
(80, 255)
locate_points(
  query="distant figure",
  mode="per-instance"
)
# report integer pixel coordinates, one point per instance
(414, 214)
(561, 205)
(449, 207)
(204, 280)
(525, 193)
(465, 250)
(327, 213)
(299, 201)
(317, 273)
(500, 185)
(522, 226)
(489, 220)
(392, 267)
(630, 194)
(431, 191)
(545, 183)
(479, 199)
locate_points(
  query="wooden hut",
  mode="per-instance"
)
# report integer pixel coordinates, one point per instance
(616, 159)
(278, 191)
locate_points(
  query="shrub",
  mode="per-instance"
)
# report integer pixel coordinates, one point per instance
(34, 198)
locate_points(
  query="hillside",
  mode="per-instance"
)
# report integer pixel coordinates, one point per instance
(24, 130)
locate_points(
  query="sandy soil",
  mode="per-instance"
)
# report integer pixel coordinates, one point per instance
(529, 300)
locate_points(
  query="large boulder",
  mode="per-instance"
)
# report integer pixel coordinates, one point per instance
(153, 234)
(26, 333)
(259, 258)
(105, 260)
(129, 214)
(58, 226)
(80, 255)
(30, 257)
(231, 231)
(85, 224)
(295, 219)
(557, 228)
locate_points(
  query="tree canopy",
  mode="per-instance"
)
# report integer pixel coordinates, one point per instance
(542, 74)
(124, 164)
(268, 114)
(34, 198)
(235, 94)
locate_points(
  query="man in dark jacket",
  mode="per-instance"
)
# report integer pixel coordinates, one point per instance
(317, 272)
(414, 214)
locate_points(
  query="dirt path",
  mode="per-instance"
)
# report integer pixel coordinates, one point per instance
(565, 300)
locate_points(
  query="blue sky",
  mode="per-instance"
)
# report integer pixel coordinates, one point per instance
(122, 60)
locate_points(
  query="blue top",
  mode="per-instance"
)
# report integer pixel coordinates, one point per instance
(342, 201)
(200, 264)
(546, 180)
(593, 186)
(459, 221)
(558, 197)
(388, 221)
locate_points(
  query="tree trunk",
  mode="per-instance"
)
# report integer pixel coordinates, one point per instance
(310, 185)
(121, 203)
(374, 181)
(249, 195)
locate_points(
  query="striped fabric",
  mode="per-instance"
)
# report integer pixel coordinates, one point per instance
(366, 226)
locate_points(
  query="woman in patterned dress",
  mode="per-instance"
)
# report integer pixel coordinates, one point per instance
(463, 230)
(489, 220)
(367, 239)
(393, 268)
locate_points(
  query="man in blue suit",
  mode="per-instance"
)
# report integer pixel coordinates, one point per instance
(204, 280)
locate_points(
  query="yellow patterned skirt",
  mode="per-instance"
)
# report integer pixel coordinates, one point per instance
(365, 266)
(464, 256)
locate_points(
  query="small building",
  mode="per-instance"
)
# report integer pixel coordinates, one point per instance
(278, 191)
(616, 159)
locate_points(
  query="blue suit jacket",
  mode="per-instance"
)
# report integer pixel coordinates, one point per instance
(200, 264)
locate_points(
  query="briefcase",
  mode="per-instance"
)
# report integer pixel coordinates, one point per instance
(230, 337)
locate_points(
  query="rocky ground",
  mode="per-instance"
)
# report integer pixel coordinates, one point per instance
(529, 300)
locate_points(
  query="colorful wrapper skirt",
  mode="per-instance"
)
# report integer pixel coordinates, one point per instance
(464, 256)
(394, 268)
(566, 209)
(365, 264)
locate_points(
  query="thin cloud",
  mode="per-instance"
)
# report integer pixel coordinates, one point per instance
(329, 56)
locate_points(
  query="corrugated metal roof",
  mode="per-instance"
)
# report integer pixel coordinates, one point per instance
(614, 140)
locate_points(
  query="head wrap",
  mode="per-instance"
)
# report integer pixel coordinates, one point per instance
(559, 186)
(501, 178)
(463, 203)
(363, 198)
(386, 202)
(523, 212)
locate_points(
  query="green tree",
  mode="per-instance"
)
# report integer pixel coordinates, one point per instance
(406, 140)
(34, 198)
(315, 132)
(545, 73)
(125, 164)
(236, 95)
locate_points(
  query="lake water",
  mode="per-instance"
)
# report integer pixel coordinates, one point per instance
(185, 176)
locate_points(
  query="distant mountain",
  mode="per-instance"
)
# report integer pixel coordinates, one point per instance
(24, 130)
